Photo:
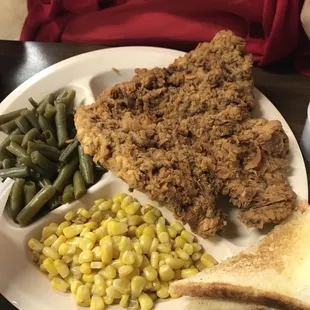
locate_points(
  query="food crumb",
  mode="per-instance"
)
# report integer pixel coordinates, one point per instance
(115, 70)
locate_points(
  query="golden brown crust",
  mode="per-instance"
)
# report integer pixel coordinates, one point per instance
(183, 134)
(238, 292)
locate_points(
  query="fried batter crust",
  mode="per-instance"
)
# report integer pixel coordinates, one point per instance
(183, 134)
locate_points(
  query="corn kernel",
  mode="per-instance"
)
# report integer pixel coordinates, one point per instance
(134, 220)
(116, 206)
(73, 230)
(49, 252)
(75, 241)
(187, 236)
(161, 220)
(164, 248)
(106, 205)
(85, 268)
(66, 249)
(177, 226)
(108, 272)
(188, 248)
(76, 273)
(91, 225)
(106, 252)
(61, 268)
(139, 230)
(124, 301)
(166, 273)
(113, 293)
(119, 197)
(100, 285)
(149, 217)
(172, 232)
(125, 270)
(48, 231)
(96, 303)
(82, 297)
(196, 256)
(149, 232)
(74, 286)
(86, 244)
(59, 284)
(122, 285)
(174, 263)
(150, 273)
(69, 216)
(61, 227)
(145, 243)
(116, 228)
(89, 278)
(145, 301)
(164, 237)
(48, 265)
(128, 257)
(154, 246)
(132, 208)
(163, 292)
(108, 300)
(137, 285)
(35, 245)
(138, 260)
(207, 260)
(133, 304)
(154, 260)
(126, 202)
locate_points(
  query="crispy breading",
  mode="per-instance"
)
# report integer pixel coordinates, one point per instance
(163, 131)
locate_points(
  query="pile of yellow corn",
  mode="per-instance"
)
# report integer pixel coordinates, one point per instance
(117, 252)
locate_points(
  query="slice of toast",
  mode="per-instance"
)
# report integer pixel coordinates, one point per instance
(275, 272)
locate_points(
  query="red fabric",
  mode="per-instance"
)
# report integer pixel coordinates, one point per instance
(271, 27)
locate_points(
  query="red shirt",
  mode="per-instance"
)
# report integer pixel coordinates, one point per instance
(271, 27)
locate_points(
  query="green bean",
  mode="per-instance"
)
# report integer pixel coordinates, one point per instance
(78, 185)
(31, 117)
(16, 150)
(40, 160)
(69, 151)
(36, 204)
(17, 198)
(65, 174)
(49, 138)
(86, 166)
(15, 172)
(45, 124)
(61, 124)
(4, 118)
(48, 151)
(43, 182)
(55, 202)
(61, 95)
(30, 136)
(9, 127)
(17, 139)
(68, 100)
(7, 163)
(48, 99)
(33, 102)
(29, 191)
(23, 124)
(68, 194)
(50, 111)
(28, 162)
(3, 151)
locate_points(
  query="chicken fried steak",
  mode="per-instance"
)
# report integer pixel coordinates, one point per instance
(165, 133)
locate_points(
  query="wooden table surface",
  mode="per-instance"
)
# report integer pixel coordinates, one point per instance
(288, 91)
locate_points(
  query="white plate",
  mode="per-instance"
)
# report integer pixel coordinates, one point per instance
(20, 280)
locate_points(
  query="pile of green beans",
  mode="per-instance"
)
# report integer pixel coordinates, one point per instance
(41, 152)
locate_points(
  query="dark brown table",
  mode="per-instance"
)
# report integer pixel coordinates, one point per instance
(287, 90)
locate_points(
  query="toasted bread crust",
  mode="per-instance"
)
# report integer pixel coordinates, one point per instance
(244, 293)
